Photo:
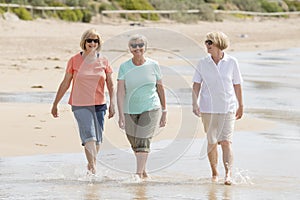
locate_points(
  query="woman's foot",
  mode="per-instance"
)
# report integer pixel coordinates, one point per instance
(228, 180)
(145, 175)
(141, 176)
(214, 179)
(91, 169)
(137, 177)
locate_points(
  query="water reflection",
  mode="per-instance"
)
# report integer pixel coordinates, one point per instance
(216, 191)
(140, 192)
(92, 192)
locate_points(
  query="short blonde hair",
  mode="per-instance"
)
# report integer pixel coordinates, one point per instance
(218, 38)
(138, 37)
(89, 33)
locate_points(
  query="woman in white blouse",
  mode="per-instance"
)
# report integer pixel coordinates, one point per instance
(218, 80)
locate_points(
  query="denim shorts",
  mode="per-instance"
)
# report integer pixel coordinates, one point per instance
(90, 120)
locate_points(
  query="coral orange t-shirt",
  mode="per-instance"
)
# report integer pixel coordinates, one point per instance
(88, 80)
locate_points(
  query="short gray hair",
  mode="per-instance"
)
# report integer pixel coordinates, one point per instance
(138, 37)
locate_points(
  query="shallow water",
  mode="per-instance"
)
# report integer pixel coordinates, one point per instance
(265, 170)
(266, 164)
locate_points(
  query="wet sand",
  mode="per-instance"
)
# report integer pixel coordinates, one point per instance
(34, 62)
(41, 157)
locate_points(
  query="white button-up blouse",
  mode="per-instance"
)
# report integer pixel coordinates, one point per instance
(217, 93)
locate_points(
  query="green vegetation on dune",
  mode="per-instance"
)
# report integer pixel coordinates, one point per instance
(139, 5)
(89, 8)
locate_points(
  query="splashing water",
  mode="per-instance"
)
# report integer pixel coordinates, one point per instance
(241, 177)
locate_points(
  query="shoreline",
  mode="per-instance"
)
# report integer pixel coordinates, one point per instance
(37, 62)
(38, 133)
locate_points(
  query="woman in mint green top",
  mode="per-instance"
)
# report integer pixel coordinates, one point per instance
(140, 84)
(141, 100)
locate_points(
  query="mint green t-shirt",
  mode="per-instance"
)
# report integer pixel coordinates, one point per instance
(140, 86)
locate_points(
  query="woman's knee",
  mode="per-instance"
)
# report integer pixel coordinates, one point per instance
(225, 143)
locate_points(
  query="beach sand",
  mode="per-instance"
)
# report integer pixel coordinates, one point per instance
(29, 129)
(41, 157)
(34, 57)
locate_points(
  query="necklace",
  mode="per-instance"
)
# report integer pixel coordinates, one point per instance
(217, 58)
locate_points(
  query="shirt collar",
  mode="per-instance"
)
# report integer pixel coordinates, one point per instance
(225, 58)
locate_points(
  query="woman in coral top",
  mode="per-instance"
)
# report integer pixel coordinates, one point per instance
(88, 71)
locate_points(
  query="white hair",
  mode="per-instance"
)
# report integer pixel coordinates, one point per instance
(138, 37)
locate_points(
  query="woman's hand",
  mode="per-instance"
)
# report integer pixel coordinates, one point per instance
(111, 111)
(54, 111)
(239, 112)
(196, 110)
(122, 121)
(163, 119)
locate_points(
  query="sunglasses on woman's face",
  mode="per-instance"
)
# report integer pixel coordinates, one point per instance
(92, 40)
(140, 45)
(208, 42)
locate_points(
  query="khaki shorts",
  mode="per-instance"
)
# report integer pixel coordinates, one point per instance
(140, 129)
(218, 127)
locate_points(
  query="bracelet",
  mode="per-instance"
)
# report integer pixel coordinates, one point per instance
(164, 110)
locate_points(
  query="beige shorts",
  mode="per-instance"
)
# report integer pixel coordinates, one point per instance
(140, 129)
(218, 127)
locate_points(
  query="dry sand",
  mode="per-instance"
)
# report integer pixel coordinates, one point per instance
(34, 54)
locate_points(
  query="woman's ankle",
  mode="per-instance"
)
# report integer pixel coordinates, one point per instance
(91, 168)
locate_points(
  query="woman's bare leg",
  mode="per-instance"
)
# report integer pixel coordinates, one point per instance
(212, 153)
(141, 159)
(227, 160)
(91, 153)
